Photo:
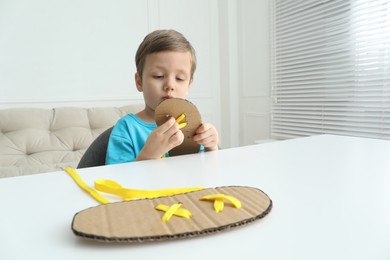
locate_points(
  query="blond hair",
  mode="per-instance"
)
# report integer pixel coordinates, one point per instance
(163, 40)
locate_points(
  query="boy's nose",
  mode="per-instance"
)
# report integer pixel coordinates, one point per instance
(169, 85)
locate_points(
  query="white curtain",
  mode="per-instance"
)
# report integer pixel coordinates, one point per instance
(331, 68)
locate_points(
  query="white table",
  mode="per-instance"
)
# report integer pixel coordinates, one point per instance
(331, 197)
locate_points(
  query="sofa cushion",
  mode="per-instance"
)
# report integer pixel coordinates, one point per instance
(36, 140)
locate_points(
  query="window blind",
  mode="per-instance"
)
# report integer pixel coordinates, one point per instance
(330, 68)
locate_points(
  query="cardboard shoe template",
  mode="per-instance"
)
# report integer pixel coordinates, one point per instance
(143, 220)
(175, 107)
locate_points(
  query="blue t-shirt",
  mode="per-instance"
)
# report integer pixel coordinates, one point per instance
(127, 139)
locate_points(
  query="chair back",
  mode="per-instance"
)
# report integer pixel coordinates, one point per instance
(95, 155)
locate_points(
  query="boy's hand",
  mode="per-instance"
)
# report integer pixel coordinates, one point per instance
(162, 139)
(207, 135)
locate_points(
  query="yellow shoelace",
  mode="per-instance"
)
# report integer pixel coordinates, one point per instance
(219, 201)
(176, 210)
(179, 119)
(114, 188)
(181, 125)
(173, 210)
(94, 194)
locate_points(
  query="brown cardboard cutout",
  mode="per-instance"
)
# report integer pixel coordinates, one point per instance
(139, 221)
(174, 107)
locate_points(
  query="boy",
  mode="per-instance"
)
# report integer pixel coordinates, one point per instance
(165, 63)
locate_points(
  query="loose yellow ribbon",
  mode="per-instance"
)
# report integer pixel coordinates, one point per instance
(173, 210)
(76, 177)
(112, 187)
(219, 201)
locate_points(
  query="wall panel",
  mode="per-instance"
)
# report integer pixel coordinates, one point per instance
(254, 60)
(255, 127)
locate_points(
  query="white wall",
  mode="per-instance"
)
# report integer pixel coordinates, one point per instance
(245, 70)
(254, 69)
(81, 53)
(65, 51)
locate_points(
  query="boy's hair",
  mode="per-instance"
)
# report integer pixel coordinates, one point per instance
(163, 40)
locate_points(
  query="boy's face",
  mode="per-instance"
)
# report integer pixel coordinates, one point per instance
(165, 75)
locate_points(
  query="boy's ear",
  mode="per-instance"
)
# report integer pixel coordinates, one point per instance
(138, 82)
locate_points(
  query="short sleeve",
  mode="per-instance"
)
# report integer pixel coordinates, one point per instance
(119, 150)
(120, 147)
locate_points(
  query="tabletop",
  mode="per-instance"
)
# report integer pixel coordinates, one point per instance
(330, 194)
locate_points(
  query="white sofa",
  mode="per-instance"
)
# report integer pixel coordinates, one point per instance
(36, 140)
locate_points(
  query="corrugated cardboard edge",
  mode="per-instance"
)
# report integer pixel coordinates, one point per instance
(183, 235)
